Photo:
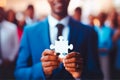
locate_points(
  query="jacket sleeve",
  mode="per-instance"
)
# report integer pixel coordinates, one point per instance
(93, 67)
(23, 71)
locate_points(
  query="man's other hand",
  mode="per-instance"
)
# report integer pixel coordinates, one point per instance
(73, 63)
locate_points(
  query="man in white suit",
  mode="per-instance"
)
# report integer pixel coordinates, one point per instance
(8, 45)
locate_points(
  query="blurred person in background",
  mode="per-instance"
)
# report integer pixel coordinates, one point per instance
(104, 44)
(77, 14)
(10, 16)
(116, 54)
(111, 20)
(8, 46)
(30, 15)
(1, 19)
(91, 20)
(20, 17)
(82, 64)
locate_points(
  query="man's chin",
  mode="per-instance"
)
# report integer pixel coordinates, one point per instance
(60, 12)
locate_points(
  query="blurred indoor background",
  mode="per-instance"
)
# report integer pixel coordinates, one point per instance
(102, 15)
(42, 7)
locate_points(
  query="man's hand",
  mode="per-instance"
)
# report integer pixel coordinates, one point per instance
(49, 62)
(73, 63)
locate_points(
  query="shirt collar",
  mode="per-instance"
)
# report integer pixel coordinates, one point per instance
(53, 22)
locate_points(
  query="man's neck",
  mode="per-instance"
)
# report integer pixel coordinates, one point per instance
(59, 17)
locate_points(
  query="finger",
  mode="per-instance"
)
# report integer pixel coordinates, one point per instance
(47, 52)
(50, 63)
(70, 60)
(73, 60)
(72, 54)
(49, 70)
(74, 69)
(49, 58)
(73, 65)
(71, 69)
(70, 65)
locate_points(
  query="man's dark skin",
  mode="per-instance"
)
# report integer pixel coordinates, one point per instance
(50, 61)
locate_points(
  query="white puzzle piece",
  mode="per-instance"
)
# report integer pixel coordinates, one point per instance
(61, 47)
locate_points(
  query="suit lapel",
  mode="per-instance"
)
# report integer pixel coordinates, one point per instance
(73, 32)
(43, 34)
(76, 35)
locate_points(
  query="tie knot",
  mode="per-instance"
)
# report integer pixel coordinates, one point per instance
(60, 26)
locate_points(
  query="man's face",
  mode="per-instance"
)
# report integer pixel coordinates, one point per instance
(59, 6)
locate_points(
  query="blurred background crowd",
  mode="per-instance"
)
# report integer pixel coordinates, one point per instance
(102, 15)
